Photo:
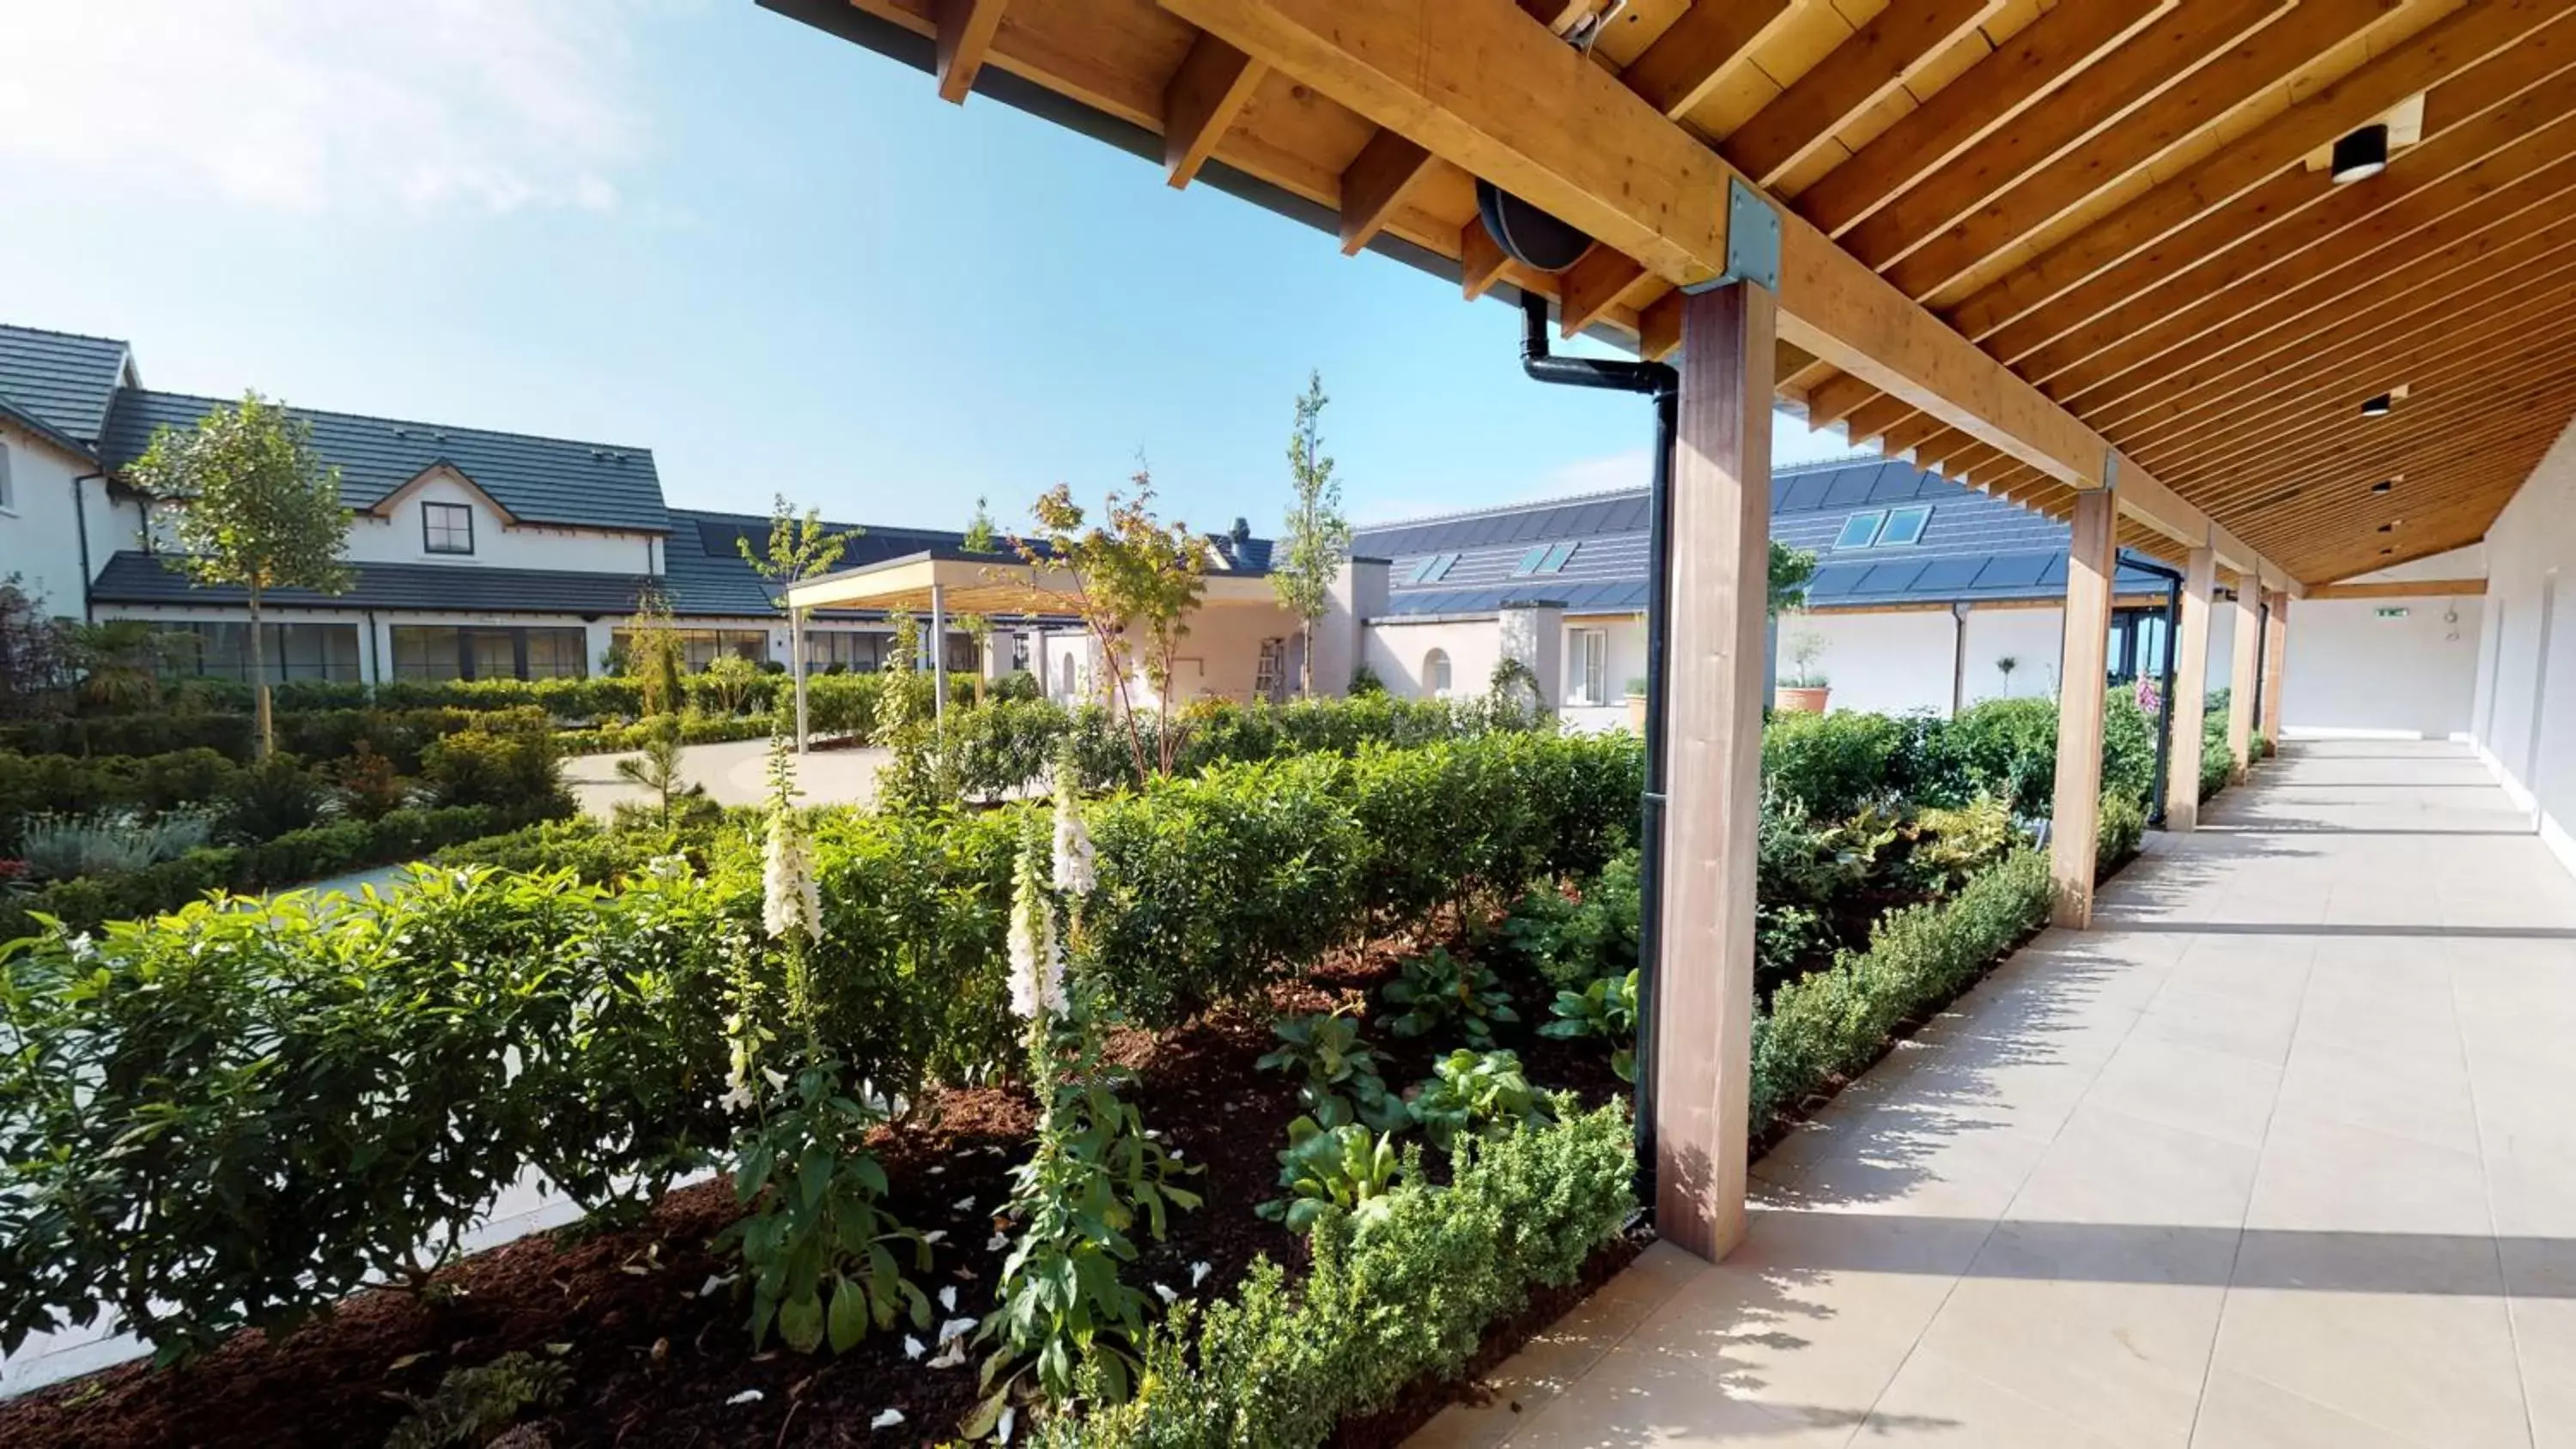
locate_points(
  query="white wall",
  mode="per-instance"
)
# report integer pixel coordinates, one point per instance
(2353, 673)
(39, 532)
(1396, 650)
(1887, 663)
(2523, 701)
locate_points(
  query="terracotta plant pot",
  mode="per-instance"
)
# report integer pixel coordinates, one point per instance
(1637, 714)
(1794, 700)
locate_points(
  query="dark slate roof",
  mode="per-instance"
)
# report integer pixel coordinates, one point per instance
(539, 480)
(63, 380)
(1974, 547)
(141, 578)
(12, 413)
(706, 573)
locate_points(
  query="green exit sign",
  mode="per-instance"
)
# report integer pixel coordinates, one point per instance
(2392, 613)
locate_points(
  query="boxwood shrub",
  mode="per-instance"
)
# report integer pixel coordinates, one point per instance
(1410, 1293)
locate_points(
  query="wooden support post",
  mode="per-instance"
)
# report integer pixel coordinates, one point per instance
(796, 666)
(2276, 666)
(2082, 685)
(1703, 992)
(2242, 664)
(2183, 712)
(938, 654)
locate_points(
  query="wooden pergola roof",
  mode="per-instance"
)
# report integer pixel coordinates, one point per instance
(2038, 247)
(997, 587)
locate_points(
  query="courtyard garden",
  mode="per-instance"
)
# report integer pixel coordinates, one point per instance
(1248, 1098)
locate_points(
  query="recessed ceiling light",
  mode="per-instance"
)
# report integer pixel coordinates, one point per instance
(2384, 486)
(2389, 550)
(2361, 154)
(2380, 406)
(2388, 528)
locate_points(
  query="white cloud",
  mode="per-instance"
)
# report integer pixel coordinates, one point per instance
(317, 105)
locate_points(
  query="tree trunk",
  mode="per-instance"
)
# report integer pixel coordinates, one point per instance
(264, 724)
(1306, 658)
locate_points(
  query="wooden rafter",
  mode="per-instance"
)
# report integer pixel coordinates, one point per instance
(1677, 70)
(1857, 75)
(1206, 94)
(966, 30)
(1374, 184)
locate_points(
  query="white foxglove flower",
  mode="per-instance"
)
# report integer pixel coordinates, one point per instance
(1037, 958)
(1076, 872)
(747, 1396)
(913, 1348)
(737, 1098)
(952, 1355)
(1002, 1430)
(1198, 1273)
(955, 1330)
(886, 1419)
(1167, 1295)
(791, 901)
(948, 1297)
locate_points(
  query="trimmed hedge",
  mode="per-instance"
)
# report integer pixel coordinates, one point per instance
(399, 735)
(1832, 1023)
(86, 903)
(357, 1084)
(1411, 1293)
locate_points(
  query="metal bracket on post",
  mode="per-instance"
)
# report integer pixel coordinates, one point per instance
(1752, 241)
(2110, 470)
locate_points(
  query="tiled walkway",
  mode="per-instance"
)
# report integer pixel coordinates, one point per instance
(2284, 1153)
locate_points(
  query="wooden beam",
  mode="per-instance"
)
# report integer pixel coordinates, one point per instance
(1204, 97)
(1852, 78)
(2276, 667)
(1834, 399)
(2454, 43)
(1373, 185)
(2403, 589)
(966, 30)
(2174, 113)
(2244, 665)
(1659, 327)
(2291, 225)
(1592, 286)
(1479, 84)
(2112, 87)
(2081, 688)
(1675, 72)
(2042, 56)
(1701, 997)
(2183, 712)
(1480, 259)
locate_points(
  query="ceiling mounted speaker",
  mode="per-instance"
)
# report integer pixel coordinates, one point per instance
(1526, 234)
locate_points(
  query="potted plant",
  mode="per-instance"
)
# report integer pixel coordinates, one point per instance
(2005, 667)
(1804, 689)
(1637, 706)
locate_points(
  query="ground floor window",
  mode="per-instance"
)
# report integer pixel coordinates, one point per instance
(1587, 666)
(2139, 639)
(448, 651)
(294, 651)
(854, 653)
(699, 647)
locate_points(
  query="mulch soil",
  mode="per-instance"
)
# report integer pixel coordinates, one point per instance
(653, 1331)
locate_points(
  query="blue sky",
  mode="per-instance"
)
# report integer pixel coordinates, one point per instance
(779, 261)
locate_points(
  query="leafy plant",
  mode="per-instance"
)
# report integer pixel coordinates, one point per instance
(368, 785)
(1437, 990)
(1472, 1093)
(1607, 1009)
(473, 1405)
(1094, 1177)
(1575, 940)
(115, 842)
(1806, 647)
(1317, 539)
(253, 508)
(1348, 1167)
(1952, 845)
(1136, 583)
(274, 797)
(658, 767)
(1341, 1083)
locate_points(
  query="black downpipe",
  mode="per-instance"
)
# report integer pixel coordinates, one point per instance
(80, 522)
(2262, 641)
(1663, 384)
(2173, 707)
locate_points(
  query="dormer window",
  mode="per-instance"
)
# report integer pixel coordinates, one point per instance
(447, 527)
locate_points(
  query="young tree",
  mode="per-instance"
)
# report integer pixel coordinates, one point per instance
(979, 538)
(1135, 583)
(798, 549)
(1318, 537)
(257, 509)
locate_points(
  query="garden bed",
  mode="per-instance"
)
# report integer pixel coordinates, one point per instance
(655, 1360)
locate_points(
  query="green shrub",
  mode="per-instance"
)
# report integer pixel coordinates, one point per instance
(2217, 764)
(73, 785)
(1572, 941)
(2121, 829)
(272, 798)
(1475, 1094)
(493, 765)
(370, 1078)
(1832, 1022)
(2009, 747)
(1833, 764)
(1278, 1365)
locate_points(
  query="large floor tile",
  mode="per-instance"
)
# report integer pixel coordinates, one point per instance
(1936, 1401)
(2239, 1411)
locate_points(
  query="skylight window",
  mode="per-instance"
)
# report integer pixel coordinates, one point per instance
(1433, 569)
(1860, 530)
(1905, 525)
(1545, 558)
